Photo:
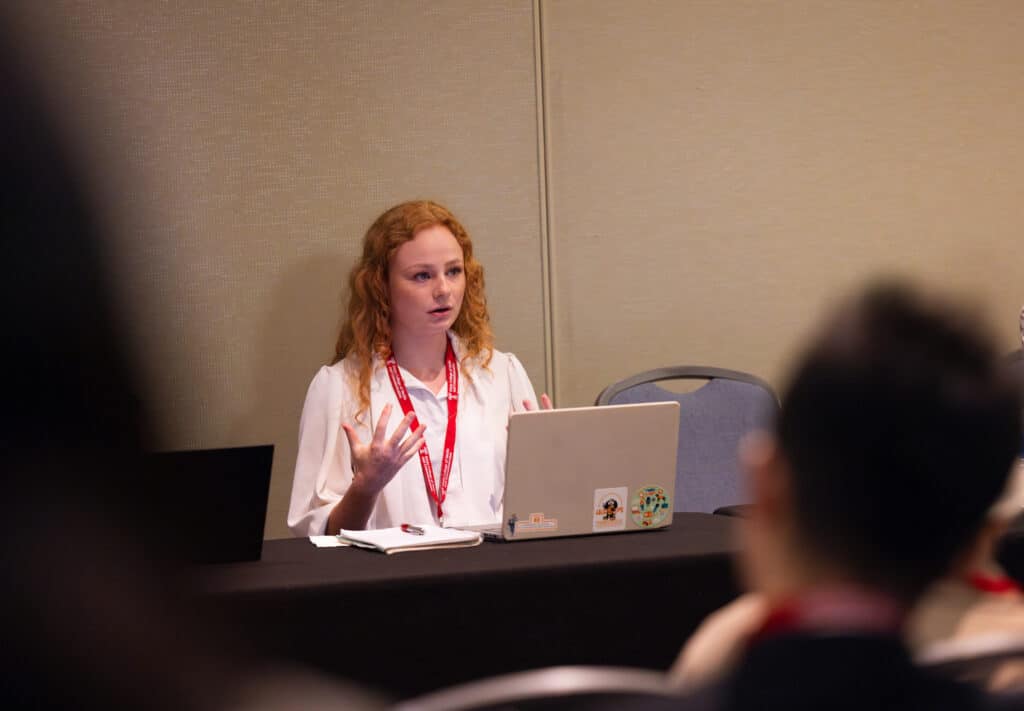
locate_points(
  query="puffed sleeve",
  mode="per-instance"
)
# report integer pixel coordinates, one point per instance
(323, 469)
(519, 385)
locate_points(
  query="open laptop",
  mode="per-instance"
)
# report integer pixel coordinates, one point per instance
(589, 470)
(220, 499)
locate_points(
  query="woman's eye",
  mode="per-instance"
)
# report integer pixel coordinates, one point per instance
(420, 276)
(455, 271)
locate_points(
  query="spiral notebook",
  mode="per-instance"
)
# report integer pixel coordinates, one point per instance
(397, 540)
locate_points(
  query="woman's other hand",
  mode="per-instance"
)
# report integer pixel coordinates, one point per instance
(545, 403)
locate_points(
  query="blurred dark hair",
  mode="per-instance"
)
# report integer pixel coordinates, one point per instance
(900, 425)
(70, 381)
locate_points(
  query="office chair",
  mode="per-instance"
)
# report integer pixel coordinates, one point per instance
(565, 687)
(712, 421)
(1015, 362)
(976, 659)
(1015, 359)
(1010, 552)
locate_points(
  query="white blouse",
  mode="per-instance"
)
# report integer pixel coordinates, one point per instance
(323, 468)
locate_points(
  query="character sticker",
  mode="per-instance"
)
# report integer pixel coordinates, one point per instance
(610, 509)
(650, 506)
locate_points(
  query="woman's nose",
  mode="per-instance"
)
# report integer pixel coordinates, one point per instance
(443, 286)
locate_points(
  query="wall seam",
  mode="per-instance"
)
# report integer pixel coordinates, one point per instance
(547, 256)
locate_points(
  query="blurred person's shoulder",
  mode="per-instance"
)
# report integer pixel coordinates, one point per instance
(718, 643)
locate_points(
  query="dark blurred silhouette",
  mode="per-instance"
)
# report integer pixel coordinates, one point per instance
(90, 615)
(895, 436)
(94, 611)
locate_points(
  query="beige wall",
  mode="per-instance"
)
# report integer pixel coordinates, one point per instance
(719, 169)
(709, 174)
(244, 148)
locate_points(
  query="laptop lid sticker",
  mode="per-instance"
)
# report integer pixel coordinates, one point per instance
(610, 509)
(650, 507)
(535, 523)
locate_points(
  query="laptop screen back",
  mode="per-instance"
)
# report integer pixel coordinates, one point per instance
(586, 470)
(220, 496)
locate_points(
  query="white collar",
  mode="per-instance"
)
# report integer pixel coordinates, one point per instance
(379, 380)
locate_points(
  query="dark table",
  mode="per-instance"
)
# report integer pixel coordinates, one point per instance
(412, 622)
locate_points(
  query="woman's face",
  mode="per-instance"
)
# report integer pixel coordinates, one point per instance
(426, 282)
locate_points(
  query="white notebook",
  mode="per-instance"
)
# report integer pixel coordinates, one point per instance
(395, 540)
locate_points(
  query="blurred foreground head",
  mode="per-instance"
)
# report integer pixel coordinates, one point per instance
(69, 388)
(95, 611)
(90, 618)
(896, 434)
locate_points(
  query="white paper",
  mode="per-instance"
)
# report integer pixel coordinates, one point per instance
(328, 542)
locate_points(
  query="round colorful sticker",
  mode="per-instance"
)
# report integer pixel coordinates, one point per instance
(650, 506)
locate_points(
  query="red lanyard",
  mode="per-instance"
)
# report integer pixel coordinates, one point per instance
(835, 610)
(992, 583)
(436, 491)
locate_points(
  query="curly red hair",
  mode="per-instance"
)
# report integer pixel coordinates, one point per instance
(366, 332)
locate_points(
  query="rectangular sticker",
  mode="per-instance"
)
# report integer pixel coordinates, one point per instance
(534, 523)
(610, 509)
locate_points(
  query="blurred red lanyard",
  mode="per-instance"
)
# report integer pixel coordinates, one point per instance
(992, 583)
(834, 610)
(437, 491)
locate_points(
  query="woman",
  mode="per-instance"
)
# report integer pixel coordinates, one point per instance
(409, 423)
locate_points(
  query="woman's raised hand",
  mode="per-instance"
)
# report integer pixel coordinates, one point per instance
(376, 462)
(545, 403)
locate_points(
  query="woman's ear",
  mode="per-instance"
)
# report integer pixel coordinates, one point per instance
(766, 534)
(767, 474)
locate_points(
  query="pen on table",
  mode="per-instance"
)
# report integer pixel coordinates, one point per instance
(415, 530)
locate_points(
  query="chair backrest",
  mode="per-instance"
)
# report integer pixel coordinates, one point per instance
(552, 687)
(1015, 361)
(712, 421)
(976, 658)
(1010, 548)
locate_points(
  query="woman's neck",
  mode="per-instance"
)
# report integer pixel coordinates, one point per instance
(422, 357)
